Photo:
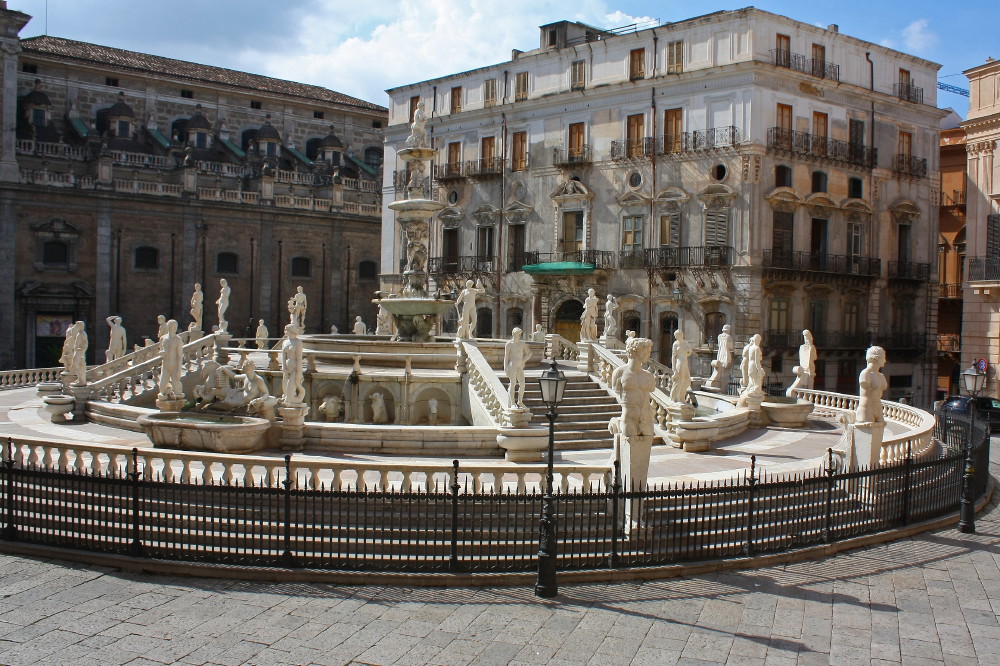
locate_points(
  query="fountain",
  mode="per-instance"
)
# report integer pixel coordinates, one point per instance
(415, 312)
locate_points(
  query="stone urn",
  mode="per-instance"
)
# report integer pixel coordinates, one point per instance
(58, 406)
(48, 388)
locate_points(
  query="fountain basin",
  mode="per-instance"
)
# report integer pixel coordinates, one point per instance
(58, 406)
(716, 418)
(409, 313)
(206, 432)
(786, 412)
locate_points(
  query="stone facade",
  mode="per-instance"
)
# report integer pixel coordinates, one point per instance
(125, 178)
(739, 167)
(951, 255)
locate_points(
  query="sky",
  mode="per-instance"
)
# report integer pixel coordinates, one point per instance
(361, 48)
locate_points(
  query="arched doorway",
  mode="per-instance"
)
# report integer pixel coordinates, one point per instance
(568, 320)
(484, 322)
(631, 321)
(668, 324)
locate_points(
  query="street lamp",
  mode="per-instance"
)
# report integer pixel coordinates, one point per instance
(973, 379)
(553, 384)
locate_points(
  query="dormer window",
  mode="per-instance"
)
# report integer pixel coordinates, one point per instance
(124, 129)
(201, 140)
(272, 148)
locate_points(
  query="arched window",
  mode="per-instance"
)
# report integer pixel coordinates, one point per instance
(312, 148)
(819, 181)
(301, 267)
(782, 176)
(714, 321)
(247, 138)
(146, 258)
(631, 321)
(484, 324)
(367, 270)
(515, 319)
(178, 131)
(227, 262)
(373, 156)
(55, 253)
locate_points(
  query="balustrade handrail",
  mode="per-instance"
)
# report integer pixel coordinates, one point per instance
(29, 376)
(559, 348)
(485, 384)
(192, 351)
(140, 355)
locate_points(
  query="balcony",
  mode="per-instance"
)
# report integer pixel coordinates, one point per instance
(906, 342)
(791, 339)
(451, 171)
(830, 264)
(984, 269)
(706, 256)
(632, 149)
(909, 166)
(953, 290)
(459, 265)
(791, 142)
(569, 158)
(572, 262)
(909, 270)
(956, 198)
(947, 342)
(908, 92)
(812, 66)
(487, 167)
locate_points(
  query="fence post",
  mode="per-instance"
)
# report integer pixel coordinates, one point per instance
(828, 524)
(10, 530)
(286, 556)
(135, 548)
(616, 527)
(907, 475)
(453, 559)
(752, 482)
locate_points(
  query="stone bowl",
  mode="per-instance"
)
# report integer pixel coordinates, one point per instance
(58, 406)
(786, 412)
(206, 432)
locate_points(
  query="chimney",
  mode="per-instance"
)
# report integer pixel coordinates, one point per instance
(833, 27)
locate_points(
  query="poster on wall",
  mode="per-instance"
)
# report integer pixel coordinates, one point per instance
(52, 326)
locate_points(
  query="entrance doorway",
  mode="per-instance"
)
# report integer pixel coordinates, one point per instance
(50, 334)
(668, 324)
(568, 320)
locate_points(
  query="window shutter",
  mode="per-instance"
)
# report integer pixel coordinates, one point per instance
(993, 235)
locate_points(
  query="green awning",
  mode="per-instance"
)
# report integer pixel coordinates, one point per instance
(79, 127)
(299, 156)
(159, 138)
(562, 267)
(233, 148)
(367, 167)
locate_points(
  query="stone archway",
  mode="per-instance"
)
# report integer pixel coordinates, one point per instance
(567, 319)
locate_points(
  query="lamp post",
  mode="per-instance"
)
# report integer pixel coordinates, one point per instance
(552, 383)
(974, 379)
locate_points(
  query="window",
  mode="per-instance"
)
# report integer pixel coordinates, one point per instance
(778, 315)
(373, 156)
(254, 104)
(634, 134)
(817, 316)
(818, 60)
(111, 81)
(38, 117)
(852, 317)
(632, 321)
(55, 253)
(782, 50)
(519, 151)
(413, 106)
(146, 258)
(782, 176)
(855, 188)
(454, 156)
(670, 230)
(784, 116)
(29, 68)
(367, 270)
(520, 86)
(673, 130)
(782, 237)
(553, 37)
(490, 92)
(636, 64)
(577, 140)
(854, 239)
(903, 243)
(318, 115)
(187, 94)
(572, 236)
(820, 127)
(456, 99)
(487, 149)
(271, 148)
(993, 235)
(201, 140)
(484, 325)
(515, 319)
(904, 78)
(632, 234)
(714, 321)
(377, 124)
(777, 364)
(675, 57)
(227, 262)
(124, 129)
(301, 267)
(819, 181)
(578, 74)
(518, 243)
(484, 242)
(717, 227)
(905, 143)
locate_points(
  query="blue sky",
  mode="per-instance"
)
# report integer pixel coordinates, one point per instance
(362, 48)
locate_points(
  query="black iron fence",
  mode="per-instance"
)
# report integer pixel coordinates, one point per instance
(840, 264)
(803, 143)
(984, 268)
(909, 166)
(599, 258)
(698, 255)
(815, 66)
(909, 270)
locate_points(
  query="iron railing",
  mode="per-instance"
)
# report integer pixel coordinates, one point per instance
(909, 270)
(487, 166)
(956, 198)
(461, 264)
(910, 340)
(822, 147)
(823, 263)
(984, 268)
(814, 66)
(909, 166)
(717, 137)
(908, 92)
(449, 171)
(630, 149)
(708, 256)
(454, 527)
(567, 157)
(950, 290)
(842, 339)
(947, 342)
(604, 259)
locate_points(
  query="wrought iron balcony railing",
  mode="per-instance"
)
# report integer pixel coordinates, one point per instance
(708, 256)
(823, 263)
(822, 147)
(452, 265)
(950, 290)
(909, 166)
(956, 198)
(984, 269)
(630, 149)
(789, 339)
(814, 66)
(947, 342)
(911, 341)
(568, 157)
(909, 270)
(604, 259)
(484, 167)
(449, 171)
(908, 92)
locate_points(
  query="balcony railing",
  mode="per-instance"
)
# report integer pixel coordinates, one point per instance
(787, 339)
(485, 167)
(950, 290)
(708, 256)
(604, 259)
(568, 157)
(823, 263)
(717, 137)
(803, 143)
(449, 171)
(947, 342)
(908, 92)
(907, 341)
(818, 68)
(909, 166)
(909, 270)
(984, 269)
(462, 264)
(630, 149)
(956, 198)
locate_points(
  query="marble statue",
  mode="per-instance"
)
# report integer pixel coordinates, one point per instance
(262, 334)
(359, 326)
(805, 371)
(222, 305)
(432, 411)
(611, 317)
(633, 430)
(258, 399)
(333, 329)
(539, 334)
(383, 322)
(117, 345)
(629, 335)
(330, 408)
(745, 366)
(379, 414)
(871, 386)
(80, 344)
(466, 305)
(172, 351)
(723, 364)
(299, 306)
(69, 344)
(515, 357)
(680, 356)
(293, 391)
(418, 128)
(224, 389)
(754, 357)
(161, 326)
(588, 320)
(197, 307)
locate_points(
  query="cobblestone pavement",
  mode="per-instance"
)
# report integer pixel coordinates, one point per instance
(934, 598)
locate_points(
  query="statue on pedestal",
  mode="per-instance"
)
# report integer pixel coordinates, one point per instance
(262, 334)
(680, 363)
(222, 305)
(69, 345)
(611, 317)
(117, 345)
(299, 306)
(805, 371)
(634, 428)
(871, 386)
(466, 305)
(172, 351)
(359, 326)
(418, 128)
(723, 363)
(588, 320)
(515, 357)
(161, 326)
(80, 344)
(379, 414)
(539, 334)
(753, 356)
(197, 308)
(293, 391)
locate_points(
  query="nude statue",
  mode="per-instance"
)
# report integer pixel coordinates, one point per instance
(69, 344)
(359, 326)
(418, 128)
(80, 344)
(539, 334)
(634, 387)
(222, 305)
(117, 345)
(515, 357)
(805, 371)
(723, 363)
(871, 386)
(299, 306)
(172, 351)
(262, 334)
(680, 363)
(161, 326)
(745, 366)
(754, 372)
(588, 320)
(611, 317)
(293, 391)
(379, 414)
(258, 399)
(466, 305)
(197, 307)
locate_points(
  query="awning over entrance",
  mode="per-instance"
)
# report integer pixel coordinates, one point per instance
(561, 267)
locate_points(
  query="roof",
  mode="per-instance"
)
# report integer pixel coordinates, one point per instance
(83, 52)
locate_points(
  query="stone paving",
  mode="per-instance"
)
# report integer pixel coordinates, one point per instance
(934, 598)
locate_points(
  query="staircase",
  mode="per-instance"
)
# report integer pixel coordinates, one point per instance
(583, 415)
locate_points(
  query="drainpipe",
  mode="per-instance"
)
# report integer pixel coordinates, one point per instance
(652, 191)
(656, 40)
(872, 237)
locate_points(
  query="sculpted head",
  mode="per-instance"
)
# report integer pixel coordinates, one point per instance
(875, 356)
(516, 333)
(639, 348)
(292, 331)
(160, 319)
(172, 327)
(807, 336)
(197, 286)
(470, 284)
(249, 368)
(298, 290)
(756, 339)
(223, 283)
(260, 322)
(679, 335)
(591, 292)
(726, 328)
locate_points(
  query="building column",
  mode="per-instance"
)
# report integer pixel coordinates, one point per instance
(102, 278)
(11, 23)
(8, 254)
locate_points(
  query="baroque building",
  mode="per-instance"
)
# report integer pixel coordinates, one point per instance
(736, 168)
(951, 255)
(125, 178)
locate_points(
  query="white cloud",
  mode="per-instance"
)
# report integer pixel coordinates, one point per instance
(918, 38)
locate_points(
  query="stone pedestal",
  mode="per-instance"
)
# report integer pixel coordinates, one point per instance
(524, 444)
(293, 420)
(165, 404)
(81, 394)
(48, 388)
(634, 456)
(67, 378)
(583, 363)
(221, 342)
(753, 402)
(867, 443)
(611, 342)
(58, 406)
(680, 411)
(517, 417)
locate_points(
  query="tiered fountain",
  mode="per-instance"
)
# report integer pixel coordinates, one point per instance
(415, 312)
